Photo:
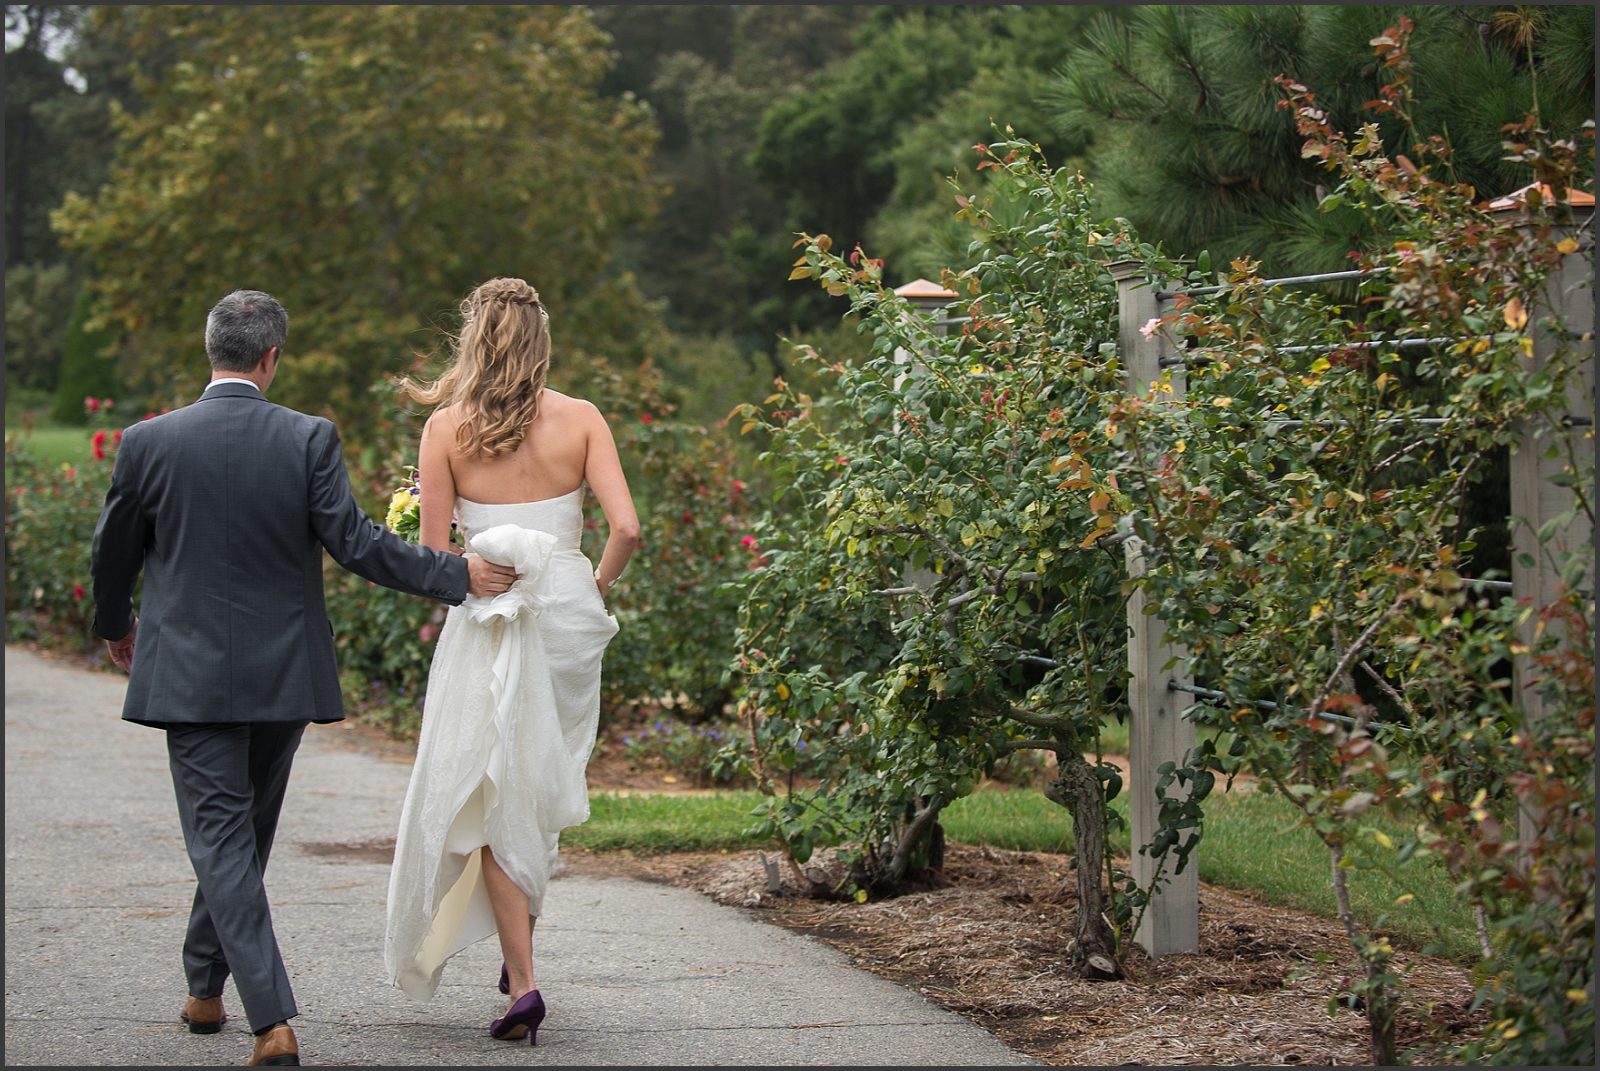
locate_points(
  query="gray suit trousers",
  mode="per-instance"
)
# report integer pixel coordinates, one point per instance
(230, 781)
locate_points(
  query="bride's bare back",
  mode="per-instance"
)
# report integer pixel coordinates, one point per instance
(567, 445)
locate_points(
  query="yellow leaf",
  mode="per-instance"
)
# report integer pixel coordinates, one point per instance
(800, 273)
(1222, 403)
(1404, 898)
(1382, 838)
(748, 424)
(802, 260)
(1567, 245)
(1321, 364)
(1098, 501)
(1060, 463)
(1516, 316)
(783, 691)
(1525, 344)
(1577, 996)
(850, 546)
(1179, 447)
(837, 289)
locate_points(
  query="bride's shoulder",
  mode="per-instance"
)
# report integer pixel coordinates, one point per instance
(444, 418)
(565, 405)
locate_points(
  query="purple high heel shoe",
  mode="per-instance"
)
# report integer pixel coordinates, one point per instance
(523, 1018)
(505, 979)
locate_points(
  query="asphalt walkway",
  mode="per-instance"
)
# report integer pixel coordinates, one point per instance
(98, 890)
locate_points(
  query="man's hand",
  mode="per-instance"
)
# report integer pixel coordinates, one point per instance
(486, 579)
(122, 650)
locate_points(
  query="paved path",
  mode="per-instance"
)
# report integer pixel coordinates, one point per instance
(98, 888)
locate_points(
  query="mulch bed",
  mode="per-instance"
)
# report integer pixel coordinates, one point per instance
(991, 945)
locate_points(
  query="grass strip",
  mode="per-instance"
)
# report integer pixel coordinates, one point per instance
(56, 445)
(653, 824)
(1250, 845)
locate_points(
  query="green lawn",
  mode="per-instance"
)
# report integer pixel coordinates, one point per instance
(662, 823)
(55, 444)
(1250, 844)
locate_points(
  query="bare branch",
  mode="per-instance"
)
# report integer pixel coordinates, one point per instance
(1388, 689)
(1037, 745)
(1355, 648)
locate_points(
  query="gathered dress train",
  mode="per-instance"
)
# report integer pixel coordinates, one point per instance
(512, 707)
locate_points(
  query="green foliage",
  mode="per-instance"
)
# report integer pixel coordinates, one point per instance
(716, 250)
(88, 365)
(39, 305)
(677, 603)
(691, 751)
(367, 167)
(934, 551)
(1300, 508)
(1189, 145)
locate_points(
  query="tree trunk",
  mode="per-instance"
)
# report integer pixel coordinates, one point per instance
(1379, 1005)
(1094, 951)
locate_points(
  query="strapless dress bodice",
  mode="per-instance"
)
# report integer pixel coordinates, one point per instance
(562, 517)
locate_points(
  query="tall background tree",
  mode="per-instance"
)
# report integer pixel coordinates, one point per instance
(368, 166)
(58, 139)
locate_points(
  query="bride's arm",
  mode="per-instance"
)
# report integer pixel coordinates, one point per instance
(438, 483)
(603, 470)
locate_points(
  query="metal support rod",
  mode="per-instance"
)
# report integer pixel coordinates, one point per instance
(1263, 704)
(1201, 359)
(1325, 277)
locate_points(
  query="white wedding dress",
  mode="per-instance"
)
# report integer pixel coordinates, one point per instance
(512, 706)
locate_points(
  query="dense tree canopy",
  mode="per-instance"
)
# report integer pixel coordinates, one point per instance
(368, 166)
(1191, 146)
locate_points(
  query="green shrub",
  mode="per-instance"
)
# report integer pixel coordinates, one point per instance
(87, 371)
(689, 751)
(50, 516)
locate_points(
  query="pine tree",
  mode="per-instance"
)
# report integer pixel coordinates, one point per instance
(88, 368)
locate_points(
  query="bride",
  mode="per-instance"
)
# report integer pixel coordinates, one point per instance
(514, 693)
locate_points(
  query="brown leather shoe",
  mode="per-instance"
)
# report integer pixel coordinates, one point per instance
(203, 1016)
(276, 1048)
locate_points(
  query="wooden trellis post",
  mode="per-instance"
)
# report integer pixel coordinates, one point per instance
(1157, 732)
(929, 299)
(1569, 297)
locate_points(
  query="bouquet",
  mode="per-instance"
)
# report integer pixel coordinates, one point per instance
(405, 508)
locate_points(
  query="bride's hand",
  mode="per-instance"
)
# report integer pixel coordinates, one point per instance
(605, 589)
(486, 579)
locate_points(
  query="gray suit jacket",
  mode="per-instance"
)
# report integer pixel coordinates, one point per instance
(226, 505)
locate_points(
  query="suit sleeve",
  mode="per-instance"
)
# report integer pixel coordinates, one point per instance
(117, 553)
(366, 548)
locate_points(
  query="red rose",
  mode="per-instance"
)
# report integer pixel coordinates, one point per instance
(748, 541)
(91, 403)
(97, 445)
(77, 591)
(645, 418)
(116, 436)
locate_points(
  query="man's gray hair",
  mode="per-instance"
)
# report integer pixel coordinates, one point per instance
(243, 326)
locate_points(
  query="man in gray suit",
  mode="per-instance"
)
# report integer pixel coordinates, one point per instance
(227, 505)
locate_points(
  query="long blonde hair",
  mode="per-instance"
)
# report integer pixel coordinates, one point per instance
(502, 355)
